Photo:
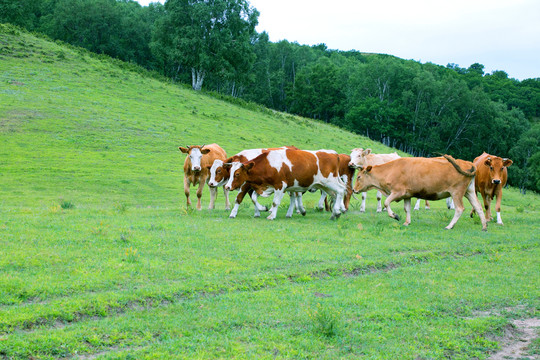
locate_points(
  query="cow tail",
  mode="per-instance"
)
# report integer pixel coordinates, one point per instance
(470, 173)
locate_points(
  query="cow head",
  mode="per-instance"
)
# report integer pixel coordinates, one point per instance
(219, 173)
(497, 167)
(358, 157)
(239, 174)
(195, 153)
(363, 180)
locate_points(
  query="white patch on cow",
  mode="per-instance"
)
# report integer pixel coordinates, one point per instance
(212, 182)
(250, 154)
(325, 151)
(235, 166)
(278, 158)
(499, 219)
(195, 156)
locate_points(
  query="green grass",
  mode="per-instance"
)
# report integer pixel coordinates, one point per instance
(99, 256)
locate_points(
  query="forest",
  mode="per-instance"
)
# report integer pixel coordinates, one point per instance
(420, 108)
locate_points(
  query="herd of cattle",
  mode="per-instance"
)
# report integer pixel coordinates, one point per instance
(261, 172)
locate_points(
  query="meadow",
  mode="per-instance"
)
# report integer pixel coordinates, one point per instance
(99, 257)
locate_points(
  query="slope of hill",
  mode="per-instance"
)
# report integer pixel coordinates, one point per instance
(100, 258)
(76, 118)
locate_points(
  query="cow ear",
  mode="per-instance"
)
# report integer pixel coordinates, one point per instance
(367, 152)
(507, 162)
(208, 167)
(488, 161)
(368, 169)
(205, 151)
(183, 149)
(249, 165)
(227, 165)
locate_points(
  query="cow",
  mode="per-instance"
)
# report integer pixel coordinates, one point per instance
(347, 176)
(286, 170)
(196, 171)
(362, 158)
(219, 175)
(423, 178)
(491, 175)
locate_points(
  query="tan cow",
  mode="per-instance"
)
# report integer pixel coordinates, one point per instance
(361, 158)
(280, 171)
(491, 175)
(423, 178)
(196, 171)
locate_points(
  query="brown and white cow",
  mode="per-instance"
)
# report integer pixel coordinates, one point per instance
(491, 176)
(346, 173)
(363, 158)
(219, 175)
(196, 171)
(423, 178)
(285, 170)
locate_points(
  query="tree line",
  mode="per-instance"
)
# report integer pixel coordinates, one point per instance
(422, 109)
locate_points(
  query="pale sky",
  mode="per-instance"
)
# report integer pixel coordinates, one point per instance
(500, 34)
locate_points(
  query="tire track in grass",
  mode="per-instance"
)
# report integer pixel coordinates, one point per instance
(120, 346)
(101, 305)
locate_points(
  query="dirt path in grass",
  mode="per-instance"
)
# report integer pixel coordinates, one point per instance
(515, 343)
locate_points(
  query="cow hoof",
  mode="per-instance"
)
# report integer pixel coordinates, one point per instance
(500, 223)
(396, 216)
(270, 218)
(406, 224)
(256, 216)
(232, 217)
(304, 214)
(484, 229)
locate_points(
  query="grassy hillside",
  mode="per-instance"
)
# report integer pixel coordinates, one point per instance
(100, 258)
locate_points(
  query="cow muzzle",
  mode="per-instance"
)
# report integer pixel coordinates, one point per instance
(496, 182)
(196, 168)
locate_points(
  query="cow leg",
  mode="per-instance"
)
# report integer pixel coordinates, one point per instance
(487, 206)
(363, 206)
(213, 194)
(450, 204)
(379, 205)
(292, 205)
(227, 202)
(238, 201)
(278, 196)
(254, 198)
(322, 201)
(458, 210)
(347, 199)
(417, 205)
(186, 191)
(498, 194)
(407, 208)
(299, 204)
(471, 196)
(427, 205)
(387, 202)
(202, 182)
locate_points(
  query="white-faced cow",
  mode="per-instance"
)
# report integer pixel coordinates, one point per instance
(361, 158)
(491, 175)
(346, 173)
(219, 175)
(285, 170)
(196, 171)
(423, 178)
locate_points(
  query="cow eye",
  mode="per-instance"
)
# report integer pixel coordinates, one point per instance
(218, 171)
(236, 175)
(491, 167)
(502, 168)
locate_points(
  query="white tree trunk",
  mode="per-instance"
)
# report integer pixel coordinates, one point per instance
(197, 78)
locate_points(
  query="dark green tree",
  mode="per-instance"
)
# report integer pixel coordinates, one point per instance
(207, 37)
